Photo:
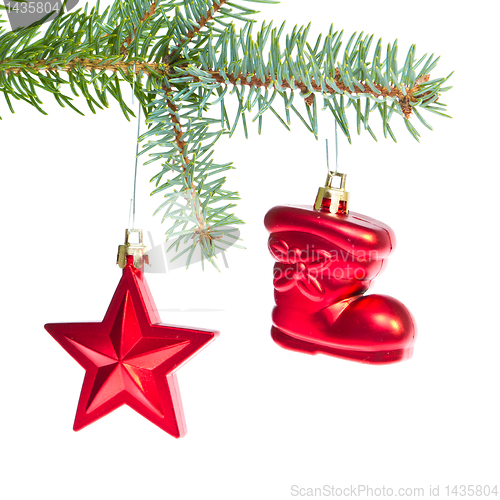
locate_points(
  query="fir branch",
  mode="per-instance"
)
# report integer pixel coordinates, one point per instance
(136, 67)
(131, 37)
(203, 20)
(192, 201)
(183, 57)
(404, 99)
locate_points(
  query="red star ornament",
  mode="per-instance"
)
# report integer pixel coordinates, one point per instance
(130, 357)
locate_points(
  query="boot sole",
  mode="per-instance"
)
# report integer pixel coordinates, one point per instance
(370, 357)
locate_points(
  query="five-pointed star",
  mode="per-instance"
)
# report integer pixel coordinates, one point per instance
(130, 358)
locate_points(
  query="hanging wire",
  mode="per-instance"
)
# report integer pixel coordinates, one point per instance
(336, 149)
(327, 157)
(336, 152)
(136, 161)
(130, 213)
(132, 201)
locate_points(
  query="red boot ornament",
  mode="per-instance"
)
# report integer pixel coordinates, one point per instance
(326, 259)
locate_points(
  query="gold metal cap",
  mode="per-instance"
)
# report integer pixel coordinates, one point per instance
(338, 197)
(136, 249)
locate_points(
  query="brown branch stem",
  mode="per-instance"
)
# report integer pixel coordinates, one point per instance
(404, 100)
(203, 231)
(151, 68)
(131, 36)
(90, 65)
(204, 19)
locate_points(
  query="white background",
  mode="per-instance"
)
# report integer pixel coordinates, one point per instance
(261, 419)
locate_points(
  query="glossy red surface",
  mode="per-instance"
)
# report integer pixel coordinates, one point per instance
(326, 203)
(130, 357)
(325, 263)
(342, 207)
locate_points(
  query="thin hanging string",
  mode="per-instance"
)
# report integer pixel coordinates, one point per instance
(132, 201)
(336, 152)
(327, 157)
(130, 213)
(336, 149)
(136, 160)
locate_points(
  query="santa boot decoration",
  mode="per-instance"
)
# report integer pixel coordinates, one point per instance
(326, 259)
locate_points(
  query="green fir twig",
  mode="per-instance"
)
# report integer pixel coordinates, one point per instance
(184, 59)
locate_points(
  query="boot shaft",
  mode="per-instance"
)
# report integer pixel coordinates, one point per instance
(323, 258)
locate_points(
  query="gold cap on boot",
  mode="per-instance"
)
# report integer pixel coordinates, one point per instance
(333, 199)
